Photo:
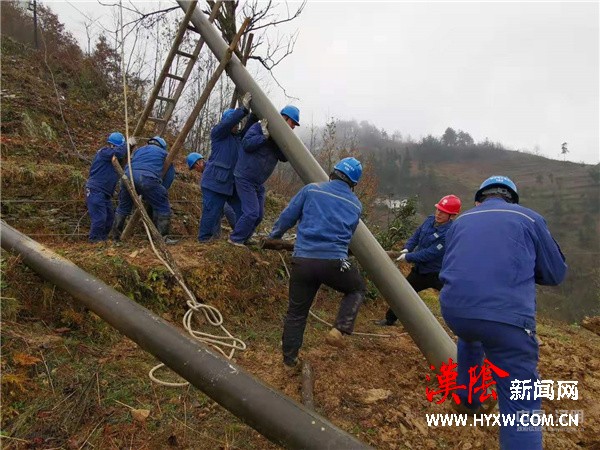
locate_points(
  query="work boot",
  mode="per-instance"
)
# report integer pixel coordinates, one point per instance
(335, 338)
(163, 224)
(118, 226)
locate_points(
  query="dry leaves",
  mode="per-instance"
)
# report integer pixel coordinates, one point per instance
(23, 359)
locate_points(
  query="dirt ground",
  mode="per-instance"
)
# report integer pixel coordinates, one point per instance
(70, 381)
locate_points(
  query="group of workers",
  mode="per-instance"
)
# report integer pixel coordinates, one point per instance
(486, 261)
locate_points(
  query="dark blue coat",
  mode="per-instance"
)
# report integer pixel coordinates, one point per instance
(148, 161)
(328, 214)
(103, 176)
(495, 254)
(225, 148)
(259, 156)
(429, 241)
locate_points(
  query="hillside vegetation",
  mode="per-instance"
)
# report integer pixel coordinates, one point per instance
(71, 381)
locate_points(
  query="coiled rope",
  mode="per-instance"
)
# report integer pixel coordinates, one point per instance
(212, 315)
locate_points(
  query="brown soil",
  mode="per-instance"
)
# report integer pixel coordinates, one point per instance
(373, 388)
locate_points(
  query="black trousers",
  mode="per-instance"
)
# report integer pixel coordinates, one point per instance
(418, 282)
(307, 275)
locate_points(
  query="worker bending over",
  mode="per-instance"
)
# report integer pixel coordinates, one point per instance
(147, 165)
(327, 215)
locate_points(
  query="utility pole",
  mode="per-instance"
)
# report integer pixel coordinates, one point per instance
(33, 7)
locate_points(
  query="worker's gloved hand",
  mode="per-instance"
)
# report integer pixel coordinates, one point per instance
(246, 101)
(402, 257)
(404, 251)
(263, 126)
(132, 141)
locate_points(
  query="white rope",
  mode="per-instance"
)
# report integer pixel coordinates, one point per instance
(212, 315)
(124, 80)
(327, 323)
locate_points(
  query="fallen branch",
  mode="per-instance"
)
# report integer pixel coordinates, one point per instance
(282, 244)
(307, 386)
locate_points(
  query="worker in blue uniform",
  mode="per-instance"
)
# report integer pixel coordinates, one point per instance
(495, 255)
(101, 184)
(425, 249)
(147, 165)
(218, 186)
(196, 163)
(255, 165)
(327, 215)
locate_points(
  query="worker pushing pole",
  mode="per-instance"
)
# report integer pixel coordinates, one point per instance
(421, 324)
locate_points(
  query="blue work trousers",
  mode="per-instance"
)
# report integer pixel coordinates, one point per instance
(152, 191)
(252, 196)
(102, 214)
(214, 205)
(229, 214)
(512, 349)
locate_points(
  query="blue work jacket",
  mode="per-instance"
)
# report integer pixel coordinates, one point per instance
(225, 148)
(148, 161)
(495, 254)
(328, 214)
(259, 156)
(429, 242)
(103, 176)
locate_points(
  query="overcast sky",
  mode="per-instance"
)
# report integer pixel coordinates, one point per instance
(523, 74)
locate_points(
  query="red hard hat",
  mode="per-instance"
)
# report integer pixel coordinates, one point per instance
(449, 204)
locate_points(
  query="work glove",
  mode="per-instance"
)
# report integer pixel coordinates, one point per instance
(263, 127)
(132, 141)
(345, 264)
(402, 257)
(246, 101)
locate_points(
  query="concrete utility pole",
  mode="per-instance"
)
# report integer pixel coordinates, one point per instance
(421, 324)
(276, 416)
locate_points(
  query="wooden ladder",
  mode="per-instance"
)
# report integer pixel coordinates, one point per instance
(166, 74)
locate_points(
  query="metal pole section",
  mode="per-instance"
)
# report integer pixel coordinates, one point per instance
(274, 415)
(425, 330)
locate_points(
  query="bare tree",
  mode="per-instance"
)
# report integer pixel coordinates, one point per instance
(264, 17)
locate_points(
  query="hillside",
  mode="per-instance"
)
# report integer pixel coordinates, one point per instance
(70, 381)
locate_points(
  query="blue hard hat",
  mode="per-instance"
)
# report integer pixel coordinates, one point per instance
(227, 113)
(116, 138)
(193, 158)
(499, 181)
(292, 112)
(351, 167)
(157, 140)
